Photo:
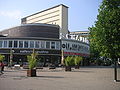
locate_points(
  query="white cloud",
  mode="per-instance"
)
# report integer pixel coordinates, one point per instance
(11, 14)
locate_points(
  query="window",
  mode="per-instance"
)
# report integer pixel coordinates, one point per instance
(5, 44)
(53, 45)
(57, 45)
(37, 44)
(25, 44)
(15, 44)
(42, 44)
(20, 44)
(31, 44)
(48, 45)
(10, 44)
(1, 42)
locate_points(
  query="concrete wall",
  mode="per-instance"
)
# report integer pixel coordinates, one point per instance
(32, 30)
(56, 15)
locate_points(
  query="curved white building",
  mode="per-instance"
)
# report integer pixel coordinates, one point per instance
(47, 33)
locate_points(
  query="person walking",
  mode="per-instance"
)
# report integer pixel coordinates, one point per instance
(1, 67)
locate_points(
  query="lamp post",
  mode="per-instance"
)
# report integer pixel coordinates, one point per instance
(115, 70)
(116, 62)
(62, 57)
(11, 57)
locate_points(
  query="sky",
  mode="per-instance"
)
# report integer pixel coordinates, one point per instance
(81, 13)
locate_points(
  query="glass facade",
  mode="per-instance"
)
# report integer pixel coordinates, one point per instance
(30, 44)
(42, 44)
(48, 45)
(1, 43)
(37, 44)
(20, 44)
(15, 44)
(52, 45)
(5, 44)
(57, 45)
(10, 44)
(25, 44)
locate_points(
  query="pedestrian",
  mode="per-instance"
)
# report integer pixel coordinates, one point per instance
(1, 67)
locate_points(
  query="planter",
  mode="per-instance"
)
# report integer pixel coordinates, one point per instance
(77, 66)
(31, 72)
(39, 67)
(67, 68)
(51, 67)
(2, 68)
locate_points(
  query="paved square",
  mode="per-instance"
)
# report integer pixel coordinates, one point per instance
(82, 79)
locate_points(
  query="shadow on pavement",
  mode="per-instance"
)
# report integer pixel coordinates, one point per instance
(11, 71)
(12, 76)
(50, 77)
(118, 81)
(84, 71)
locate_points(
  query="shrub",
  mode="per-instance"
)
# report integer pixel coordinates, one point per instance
(69, 61)
(2, 57)
(32, 60)
(77, 60)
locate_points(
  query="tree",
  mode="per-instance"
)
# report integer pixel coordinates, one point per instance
(105, 34)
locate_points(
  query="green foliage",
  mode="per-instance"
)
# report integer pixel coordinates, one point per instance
(41, 59)
(99, 62)
(105, 35)
(72, 61)
(2, 57)
(77, 60)
(32, 60)
(69, 61)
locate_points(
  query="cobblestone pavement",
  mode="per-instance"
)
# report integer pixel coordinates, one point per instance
(58, 79)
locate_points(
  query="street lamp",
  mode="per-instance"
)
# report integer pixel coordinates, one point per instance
(62, 57)
(117, 61)
(11, 57)
(115, 70)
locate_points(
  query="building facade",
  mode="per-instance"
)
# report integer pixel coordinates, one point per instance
(57, 15)
(21, 40)
(81, 35)
(41, 32)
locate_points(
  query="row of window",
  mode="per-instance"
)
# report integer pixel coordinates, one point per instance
(29, 44)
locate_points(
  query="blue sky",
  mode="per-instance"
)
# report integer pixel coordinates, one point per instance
(81, 14)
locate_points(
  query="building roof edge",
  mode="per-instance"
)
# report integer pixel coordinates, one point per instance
(46, 10)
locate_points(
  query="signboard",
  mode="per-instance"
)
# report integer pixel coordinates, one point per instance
(29, 51)
(73, 47)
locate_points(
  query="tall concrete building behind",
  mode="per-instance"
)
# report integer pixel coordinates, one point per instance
(56, 15)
